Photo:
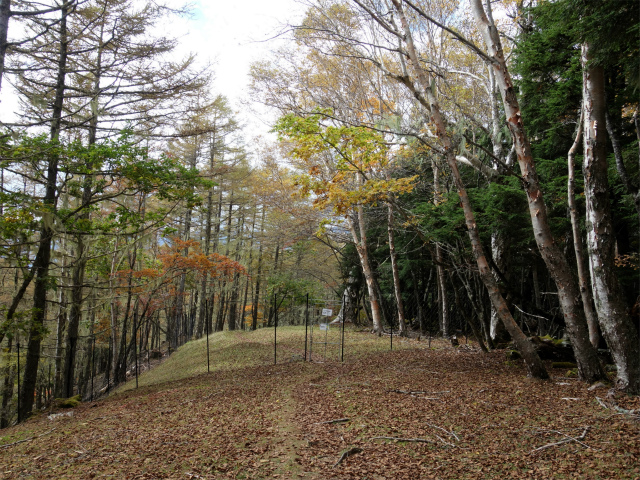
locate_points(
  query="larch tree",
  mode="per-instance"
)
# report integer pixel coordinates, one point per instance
(40, 269)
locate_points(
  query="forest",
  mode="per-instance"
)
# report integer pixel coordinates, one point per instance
(436, 168)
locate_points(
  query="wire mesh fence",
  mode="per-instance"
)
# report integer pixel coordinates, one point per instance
(93, 370)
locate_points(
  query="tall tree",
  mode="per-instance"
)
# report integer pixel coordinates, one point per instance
(31, 11)
(606, 74)
(589, 365)
(619, 331)
(43, 257)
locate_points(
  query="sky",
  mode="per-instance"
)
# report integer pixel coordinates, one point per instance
(232, 35)
(229, 34)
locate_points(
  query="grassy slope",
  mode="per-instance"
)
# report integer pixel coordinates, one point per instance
(477, 417)
(237, 350)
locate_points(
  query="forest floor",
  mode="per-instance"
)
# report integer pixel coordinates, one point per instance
(435, 412)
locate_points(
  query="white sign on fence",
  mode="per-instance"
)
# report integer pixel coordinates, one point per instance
(324, 326)
(327, 312)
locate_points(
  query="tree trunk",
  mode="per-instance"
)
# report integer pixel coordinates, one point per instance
(256, 298)
(186, 235)
(443, 303)
(250, 268)
(61, 323)
(113, 313)
(120, 373)
(476, 326)
(498, 252)
(221, 310)
(396, 274)
(235, 285)
(470, 320)
(441, 281)
(589, 365)
(499, 242)
(207, 249)
(629, 186)
(9, 372)
(534, 365)
(359, 236)
(77, 283)
(43, 257)
(77, 291)
(616, 323)
(583, 278)
(5, 15)
(75, 312)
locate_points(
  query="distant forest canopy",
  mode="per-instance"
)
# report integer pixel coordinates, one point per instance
(439, 167)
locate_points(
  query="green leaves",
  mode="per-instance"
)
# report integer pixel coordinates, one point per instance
(96, 179)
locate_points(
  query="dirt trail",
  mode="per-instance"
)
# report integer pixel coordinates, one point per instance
(467, 415)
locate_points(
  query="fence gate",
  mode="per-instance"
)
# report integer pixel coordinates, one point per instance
(326, 340)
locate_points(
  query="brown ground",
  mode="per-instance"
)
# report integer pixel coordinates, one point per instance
(479, 418)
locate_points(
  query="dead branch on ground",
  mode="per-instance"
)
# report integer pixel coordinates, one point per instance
(348, 453)
(399, 439)
(566, 440)
(406, 392)
(26, 439)
(452, 434)
(338, 420)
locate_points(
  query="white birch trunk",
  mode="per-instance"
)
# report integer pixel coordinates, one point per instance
(358, 233)
(394, 269)
(441, 281)
(589, 365)
(614, 319)
(583, 278)
(534, 365)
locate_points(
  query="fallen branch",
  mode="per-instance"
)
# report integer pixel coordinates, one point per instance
(406, 392)
(338, 420)
(445, 431)
(602, 404)
(397, 439)
(568, 439)
(614, 406)
(444, 441)
(26, 439)
(348, 453)
(624, 411)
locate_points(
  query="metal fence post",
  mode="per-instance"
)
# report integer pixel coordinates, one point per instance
(135, 342)
(343, 322)
(306, 323)
(93, 364)
(206, 321)
(18, 349)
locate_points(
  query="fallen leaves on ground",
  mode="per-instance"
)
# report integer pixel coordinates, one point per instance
(458, 414)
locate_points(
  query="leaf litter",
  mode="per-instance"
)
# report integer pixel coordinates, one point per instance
(416, 412)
